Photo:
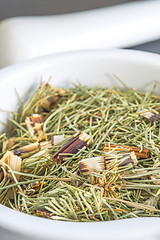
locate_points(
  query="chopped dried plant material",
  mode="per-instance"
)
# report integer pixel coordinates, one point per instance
(13, 161)
(158, 203)
(151, 201)
(60, 91)
(120, 160)
(37, 146)
(89, 184)
(98, 164)
(110, 189)
(158, 192)
(41, 154)
(127, 159)
(72, 146)
(45, 144)
(141, 153)
(43, 100)
(31, 148)
(56, 139)
(35, 126)
(8, 144)
(150, 115)
(21, 208)
(47, 103)
(3, 173)
(35, 186)
(89, 165)
(43, 213)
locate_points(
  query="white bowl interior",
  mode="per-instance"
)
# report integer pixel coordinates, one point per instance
(136, 69)
(91, 68)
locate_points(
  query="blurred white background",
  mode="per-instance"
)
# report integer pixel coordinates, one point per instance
(12, 8)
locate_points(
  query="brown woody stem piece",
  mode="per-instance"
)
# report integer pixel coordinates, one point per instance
(77, 142)
(129, 158)
(35, 126)
(150, 115)
(144, 153)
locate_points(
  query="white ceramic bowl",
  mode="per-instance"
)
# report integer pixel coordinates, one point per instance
(138, 70)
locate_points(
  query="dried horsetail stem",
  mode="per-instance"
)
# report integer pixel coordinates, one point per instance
(31, 148)
(94, 112)
(35, 126)
(98, 164)
(47, 103)
(127, 159)
(43, 153)
(43, 213)
(13, 161)
(56, 139)
(120, 159)
(78, 141)
(89, 165)
(116, 161)
(3, 173)
(8, 144)
(60, 91)
(35, 186)
(141, 153)
(151, 201)
(150, 115)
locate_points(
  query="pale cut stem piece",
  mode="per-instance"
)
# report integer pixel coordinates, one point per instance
(13, 161)
(150, 115)
(27, 149)
(43, 153)
(57, 139)
(89, 165)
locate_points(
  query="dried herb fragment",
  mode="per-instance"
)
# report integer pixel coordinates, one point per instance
(48, 103)
(141, 153)
(78, 141)
(43, 213)
(98, 164)
(150, 115)
(35, 126)
(13, 161)
(31, 148)
(127, 159)
(35, 186)
(90, 184)
(8, 144)
(89, 165)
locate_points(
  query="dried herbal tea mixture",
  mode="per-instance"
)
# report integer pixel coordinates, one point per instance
(83, 154)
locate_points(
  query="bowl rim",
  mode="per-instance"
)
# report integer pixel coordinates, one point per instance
(46, 228)
(40, 62)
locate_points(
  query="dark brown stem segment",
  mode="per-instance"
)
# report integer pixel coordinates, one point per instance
(131, 158)
(72, 146)
(144, 153)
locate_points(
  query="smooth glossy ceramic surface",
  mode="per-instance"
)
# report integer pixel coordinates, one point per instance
(123, 25)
